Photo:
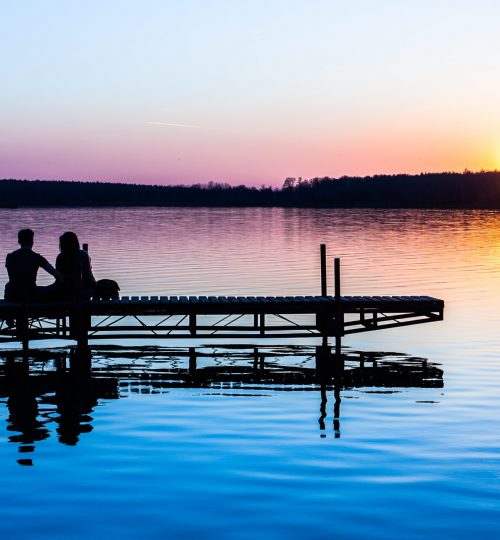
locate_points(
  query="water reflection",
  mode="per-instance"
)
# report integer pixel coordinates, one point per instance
(60, 390)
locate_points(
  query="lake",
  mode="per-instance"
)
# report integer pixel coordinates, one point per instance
(408, 446)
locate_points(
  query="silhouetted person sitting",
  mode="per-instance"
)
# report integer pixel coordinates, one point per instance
(22, 267)
(74, 265)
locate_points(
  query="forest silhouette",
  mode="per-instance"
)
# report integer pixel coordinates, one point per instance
(427, 190)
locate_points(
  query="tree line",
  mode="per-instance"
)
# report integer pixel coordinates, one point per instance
(426, 190)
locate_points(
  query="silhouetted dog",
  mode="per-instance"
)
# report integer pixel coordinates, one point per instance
(106, 289)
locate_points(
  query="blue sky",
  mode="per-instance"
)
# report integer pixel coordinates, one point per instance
(181, 92)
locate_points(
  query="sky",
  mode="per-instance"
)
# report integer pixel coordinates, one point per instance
(237, 91)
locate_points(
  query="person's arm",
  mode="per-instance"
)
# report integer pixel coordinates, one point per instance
(87, 269)
(7, 264)
(51, 270)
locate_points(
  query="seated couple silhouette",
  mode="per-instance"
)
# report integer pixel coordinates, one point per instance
(72, 272)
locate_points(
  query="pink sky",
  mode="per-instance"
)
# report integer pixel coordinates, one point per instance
(248, 95)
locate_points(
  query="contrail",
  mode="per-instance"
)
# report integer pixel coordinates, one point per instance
(178, 125)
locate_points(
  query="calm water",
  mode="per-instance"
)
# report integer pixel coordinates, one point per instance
(407, 447)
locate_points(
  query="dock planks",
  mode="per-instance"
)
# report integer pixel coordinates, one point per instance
(182, 316)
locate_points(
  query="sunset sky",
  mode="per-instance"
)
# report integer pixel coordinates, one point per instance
(247, 91)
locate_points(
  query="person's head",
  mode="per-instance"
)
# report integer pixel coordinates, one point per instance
(68, 242)
(25, 237)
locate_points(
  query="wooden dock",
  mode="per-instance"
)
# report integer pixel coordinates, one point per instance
(202, 317)
(221, 317)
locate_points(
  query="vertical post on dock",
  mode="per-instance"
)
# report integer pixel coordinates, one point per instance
(192, 324)
(192, 360)
(83, 321)
(336, 272)
(22, 329)
(339, 316)
(80, 362)
(336, 409)
(323, 269)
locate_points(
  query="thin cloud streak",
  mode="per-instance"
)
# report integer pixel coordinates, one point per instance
(178, 125)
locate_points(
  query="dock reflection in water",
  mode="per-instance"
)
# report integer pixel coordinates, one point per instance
(51, 390)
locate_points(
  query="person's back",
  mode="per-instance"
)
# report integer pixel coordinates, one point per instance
(74, 265)
(71, 269)
(22, 267)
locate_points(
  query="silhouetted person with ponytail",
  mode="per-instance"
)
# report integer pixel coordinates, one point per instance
(75, 266)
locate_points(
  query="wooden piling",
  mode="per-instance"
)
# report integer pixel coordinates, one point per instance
(323, 270)
(339, 312)
(337, 278)
(192, 360)
(192, 324)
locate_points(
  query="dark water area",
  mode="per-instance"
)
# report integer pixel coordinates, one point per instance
(405, 443)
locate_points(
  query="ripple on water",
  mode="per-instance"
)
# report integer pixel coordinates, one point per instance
(267, 460)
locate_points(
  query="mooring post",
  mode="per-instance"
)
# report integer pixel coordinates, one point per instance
(323, 363)
(336, 408)
(322, 409)
(83, 321)
(80, 362)
(22, 325)
(192, 324)
(323, 270)
(339, 313)
(192, 360)
(336, 272)
(262, 324)
(339, 361)
(339, 316)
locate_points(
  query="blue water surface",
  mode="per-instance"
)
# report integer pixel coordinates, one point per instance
(242, 458)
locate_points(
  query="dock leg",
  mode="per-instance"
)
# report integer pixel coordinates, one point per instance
(336, 408)
(80, 327)
(192, 324)
(61, 364)
(339, 359)
(323, 363)
(22, 327)
(192, 360)
(322, 410)
(323, 269)
(80, 362)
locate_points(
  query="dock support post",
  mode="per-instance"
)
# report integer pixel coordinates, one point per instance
(262, 324)
(339, 361)
(192, 324)
(336, 409)
(323, 270)
(323, 363)
(339, 315)
(192, 360)
(339, 318)
(79, 329)
(337, 277)
(22, 327)
(322, 410)
(80, 362)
